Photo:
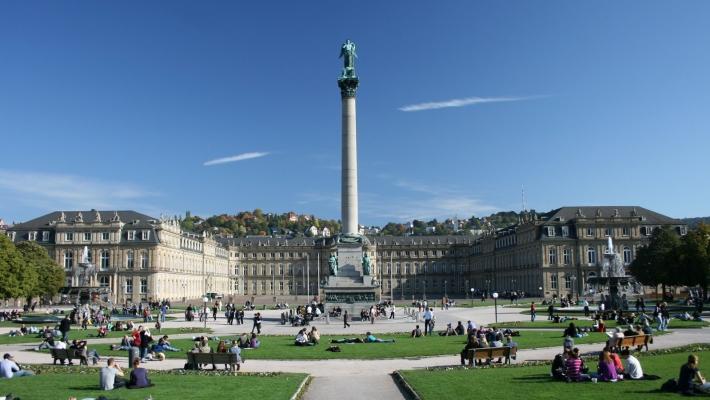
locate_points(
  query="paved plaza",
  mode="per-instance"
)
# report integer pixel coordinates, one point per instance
(365, 377)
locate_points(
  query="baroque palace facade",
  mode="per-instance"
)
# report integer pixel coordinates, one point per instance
(138, 257)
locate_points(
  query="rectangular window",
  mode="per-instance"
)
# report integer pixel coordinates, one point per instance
(145, 235)
(625, 231)
(87, 236)
(568, 282)
(281, 286)
(69, 236)
(607, 231)
(131, 235)
(590, 232)
(129, 259)
(45, 236)
(144, 285)
(567, 256)
(254, 272)
(236, 270)
(565, 231)
(144, 260)
(552, 256)
(104, 236)
(553, 281)
(32, 236)
(281, 269)
(550, 231)
(129, 286)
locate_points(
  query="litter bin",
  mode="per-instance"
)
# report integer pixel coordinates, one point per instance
(133, 353)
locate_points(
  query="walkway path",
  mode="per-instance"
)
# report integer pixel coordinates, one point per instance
(369, 378)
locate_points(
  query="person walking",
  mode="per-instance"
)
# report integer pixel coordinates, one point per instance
(532, 312)
(345, 319)
(65, 327)
(257, 323)
(392, 312)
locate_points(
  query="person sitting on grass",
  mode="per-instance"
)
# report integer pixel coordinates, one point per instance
(460, 330)
(690, 380)
(302, 338)
(254, 342)
(139, 376)
(449, 331)
(571, 331)
(574, 367)
(370, 338)
(235, 349)
(9, 368)
(417, 332)
(314, 335)
(108, 375)
(243, 341)
(102, 331)
(606, 369)
(632, 368)
(558, 370)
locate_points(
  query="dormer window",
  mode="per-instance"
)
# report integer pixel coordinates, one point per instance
(45, 236)
(683, 230)
(131, 235)
(565, 231)
(550, 231)
(32, 236)
(145, 235)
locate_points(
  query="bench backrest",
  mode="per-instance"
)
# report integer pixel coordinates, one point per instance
(64, 353)
(635, 340)
(212, 358)
(492, 352)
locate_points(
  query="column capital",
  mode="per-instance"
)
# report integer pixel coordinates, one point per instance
(348, 86)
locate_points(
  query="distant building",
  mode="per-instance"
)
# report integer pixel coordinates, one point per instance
(140, 257)
(325, 232)
(430, 230)
(292, 217)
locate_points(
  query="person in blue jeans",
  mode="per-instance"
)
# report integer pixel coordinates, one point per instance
(10, 369)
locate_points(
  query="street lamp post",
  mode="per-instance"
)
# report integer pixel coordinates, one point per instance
(542, 295)
(446, 292)
(495, 302)
(472, 291)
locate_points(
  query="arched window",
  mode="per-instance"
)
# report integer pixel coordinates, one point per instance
(627, 255)
(591, 255)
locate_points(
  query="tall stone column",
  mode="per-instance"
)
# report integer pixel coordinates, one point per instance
(348, 83)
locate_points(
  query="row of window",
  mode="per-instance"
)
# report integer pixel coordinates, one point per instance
(88, 236)
(591, 256)
(105, 259)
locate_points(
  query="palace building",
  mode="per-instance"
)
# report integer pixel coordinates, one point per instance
(138, 257)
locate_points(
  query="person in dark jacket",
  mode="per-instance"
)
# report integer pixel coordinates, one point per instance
(139, 376)
(145, 342)
(65, 327)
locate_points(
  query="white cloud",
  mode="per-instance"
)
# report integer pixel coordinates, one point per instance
(460, 102)
(64, 191)
(238, 157)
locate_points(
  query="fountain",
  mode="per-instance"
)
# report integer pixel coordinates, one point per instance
(613, 275)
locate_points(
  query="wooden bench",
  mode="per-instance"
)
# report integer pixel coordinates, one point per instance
(640, 341)
(197, 359)
(64, 354)
(489, 353)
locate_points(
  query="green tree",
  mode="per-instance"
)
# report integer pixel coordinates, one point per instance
(695, 258)
(657, 263)
(49, 275)
(16, 279)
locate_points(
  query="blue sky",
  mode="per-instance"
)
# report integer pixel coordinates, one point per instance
(120, 104)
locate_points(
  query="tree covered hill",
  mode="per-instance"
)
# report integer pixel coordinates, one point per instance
(259, 223)
(696, 221)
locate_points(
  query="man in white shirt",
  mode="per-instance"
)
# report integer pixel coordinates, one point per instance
(10, 369)
(428, 317)
(632, 366)
(392, 312)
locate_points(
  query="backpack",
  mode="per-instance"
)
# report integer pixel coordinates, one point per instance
(670, 385)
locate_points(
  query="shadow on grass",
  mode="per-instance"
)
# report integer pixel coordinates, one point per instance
(536, 378)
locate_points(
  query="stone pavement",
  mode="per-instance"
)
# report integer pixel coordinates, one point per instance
(365, 378)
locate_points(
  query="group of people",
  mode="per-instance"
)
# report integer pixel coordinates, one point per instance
(481, 338)
(305, 338)
(111, 376)
(242, 342)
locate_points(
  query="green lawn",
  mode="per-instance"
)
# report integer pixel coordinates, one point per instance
(282, 348)
(84, 384)
(91, 334)
(535, 382)
(582, 323)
